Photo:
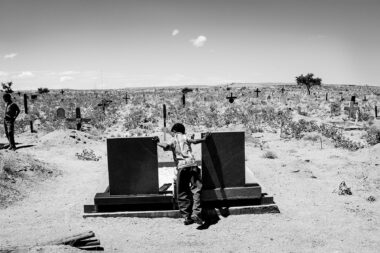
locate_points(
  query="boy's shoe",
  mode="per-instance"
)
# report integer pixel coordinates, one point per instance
(12, 148)
(188, 221)
(197, 219)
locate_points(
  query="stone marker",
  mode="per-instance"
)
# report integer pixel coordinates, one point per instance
(61, 113)
(223, 169)
(223, 160)
(132, 166)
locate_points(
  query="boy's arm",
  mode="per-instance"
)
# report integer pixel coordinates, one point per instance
(165, 146)
(197, 141)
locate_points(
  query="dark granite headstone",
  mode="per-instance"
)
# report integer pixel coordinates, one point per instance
(61, 113)
(223, 160)
(132, 166)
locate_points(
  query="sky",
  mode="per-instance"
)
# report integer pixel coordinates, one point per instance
(93, 44)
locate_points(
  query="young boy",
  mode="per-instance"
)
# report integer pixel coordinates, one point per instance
(188, 173)
(11, 113)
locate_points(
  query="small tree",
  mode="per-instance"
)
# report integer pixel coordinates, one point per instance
(43, 90)
(308, 80)
(7, 87)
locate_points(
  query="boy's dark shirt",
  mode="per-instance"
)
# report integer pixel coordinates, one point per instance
(11, 112)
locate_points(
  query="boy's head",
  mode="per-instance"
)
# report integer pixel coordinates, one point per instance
(178, 128)
(7, 97)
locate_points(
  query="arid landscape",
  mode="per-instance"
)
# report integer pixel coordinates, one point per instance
(300, 147)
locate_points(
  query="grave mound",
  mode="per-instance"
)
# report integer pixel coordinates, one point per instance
(19, 173)
(67, 137)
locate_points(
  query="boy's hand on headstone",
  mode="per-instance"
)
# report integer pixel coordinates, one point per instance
(156, 139)
(207, 135)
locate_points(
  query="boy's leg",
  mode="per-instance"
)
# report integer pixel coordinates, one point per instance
(6, 131)
(184, 192)
(196, 188)
(12, 135)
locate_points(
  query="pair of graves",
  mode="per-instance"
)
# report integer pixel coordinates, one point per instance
(133, 171)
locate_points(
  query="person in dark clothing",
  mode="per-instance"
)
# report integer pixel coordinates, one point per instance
(11, 113)
(188, 175)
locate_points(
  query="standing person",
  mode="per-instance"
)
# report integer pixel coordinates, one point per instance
(188, 181)
(11, 113)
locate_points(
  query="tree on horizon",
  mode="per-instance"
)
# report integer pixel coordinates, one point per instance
(309, 81)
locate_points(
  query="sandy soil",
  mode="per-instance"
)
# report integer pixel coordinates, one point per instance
(304, 181)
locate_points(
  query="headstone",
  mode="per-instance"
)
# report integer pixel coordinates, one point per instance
(223, 160)
(132, 166)
(224, 171)
(61, 113)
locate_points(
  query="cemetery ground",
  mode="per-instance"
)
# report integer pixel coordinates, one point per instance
(302, 177)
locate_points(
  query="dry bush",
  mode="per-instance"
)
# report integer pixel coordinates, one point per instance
(270, 155)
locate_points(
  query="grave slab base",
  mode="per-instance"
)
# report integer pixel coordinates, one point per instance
(236, 210)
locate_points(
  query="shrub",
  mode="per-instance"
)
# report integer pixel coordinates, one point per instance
(270, 155)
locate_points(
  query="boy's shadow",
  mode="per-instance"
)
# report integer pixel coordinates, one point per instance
(211, 216)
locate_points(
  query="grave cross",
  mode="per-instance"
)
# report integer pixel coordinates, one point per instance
(375, 111)
(62, 91)
(126, 98)
(78, 118)
(104, 104)
(282, 90)
(257, 92)
(26, 112)
(231, 98)
(327, 96)
(365, 98)
(183, 99)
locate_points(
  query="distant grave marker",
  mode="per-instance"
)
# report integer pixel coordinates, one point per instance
(282, 90)
(61, 113)
(257, 92)
(78, 119)
(27, 112)
(231, 98)
(183, 99)
(327, 94)
(62, 91)
(376, 111)
(104, 104)
(126, 98)
(365, 98)
(33, 97)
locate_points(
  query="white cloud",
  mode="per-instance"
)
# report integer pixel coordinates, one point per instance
(69, 72)
(10, 56)
(65, 78)
(2, 73)
(175, 32)
(25, 74)
(199, 42)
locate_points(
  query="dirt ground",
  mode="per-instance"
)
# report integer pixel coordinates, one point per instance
(303, 180)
